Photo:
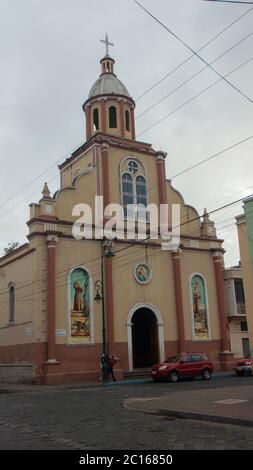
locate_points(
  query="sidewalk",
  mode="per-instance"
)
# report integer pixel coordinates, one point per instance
(231, 405)
(15, 388)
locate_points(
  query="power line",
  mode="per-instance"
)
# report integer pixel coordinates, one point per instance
(157, 122)
(194, 52)
(229, 1)
(193, 55)
(194, 97)
(134, 243)
(188, 101)
(39, 176)
(97, 273)
(172, 177)
(194, 75)
(147, 91)
(213, 156)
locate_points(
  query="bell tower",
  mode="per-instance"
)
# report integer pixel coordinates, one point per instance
(109, 108)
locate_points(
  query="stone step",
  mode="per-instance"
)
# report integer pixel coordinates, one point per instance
(137, 374)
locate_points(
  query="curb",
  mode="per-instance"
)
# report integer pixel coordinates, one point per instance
(205, 417)
(128, 382)
(215, 376)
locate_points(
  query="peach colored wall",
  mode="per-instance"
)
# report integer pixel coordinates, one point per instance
(159, 292)
(83, 192)
(149, 163)
(247, 278)
(24, 273)
(82, 163)
(201, 263)
(236, 336)
(70, 254)
(108, 130)
(187, 213)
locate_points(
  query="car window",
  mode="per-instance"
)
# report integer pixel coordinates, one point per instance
(196, 357)
(185, 359)
(172, 359)
(204, 357)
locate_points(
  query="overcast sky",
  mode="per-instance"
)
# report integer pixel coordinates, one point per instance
(50, 52)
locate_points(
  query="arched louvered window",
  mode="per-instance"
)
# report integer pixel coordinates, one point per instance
(127, 117)
(11, 304)
(96, 119)
(112, 117)
(141, 191)
(141, 195)
(127, 191)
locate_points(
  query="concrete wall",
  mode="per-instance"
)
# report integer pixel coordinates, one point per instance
(236, 336)
(245, 241)
(17, 373)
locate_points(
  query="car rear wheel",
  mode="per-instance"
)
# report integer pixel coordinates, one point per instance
(173, 376)
(206, 374)
(239, 374)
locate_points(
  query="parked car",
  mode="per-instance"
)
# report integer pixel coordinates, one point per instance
(183, 366)
(243, 367)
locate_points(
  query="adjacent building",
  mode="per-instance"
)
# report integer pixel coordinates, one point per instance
(245, 235)
(236, 312)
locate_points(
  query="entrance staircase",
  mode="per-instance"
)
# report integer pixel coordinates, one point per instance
(144, 373)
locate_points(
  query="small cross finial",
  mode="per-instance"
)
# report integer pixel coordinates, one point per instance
(107, 43)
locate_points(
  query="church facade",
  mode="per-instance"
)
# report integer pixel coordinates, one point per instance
(153, 302)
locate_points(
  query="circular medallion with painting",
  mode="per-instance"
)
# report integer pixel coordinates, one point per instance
(142, 273)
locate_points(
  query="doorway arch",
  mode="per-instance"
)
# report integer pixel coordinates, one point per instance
(145, 336)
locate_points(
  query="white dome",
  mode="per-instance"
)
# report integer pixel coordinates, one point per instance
(108, 84)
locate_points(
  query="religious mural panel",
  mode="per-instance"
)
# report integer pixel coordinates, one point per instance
(142, 273)
(79, 306)
(199, 303)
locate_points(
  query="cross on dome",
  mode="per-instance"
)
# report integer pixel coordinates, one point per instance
(107, 43)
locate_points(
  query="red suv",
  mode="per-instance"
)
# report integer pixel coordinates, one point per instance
(183, 366)
(243, 367)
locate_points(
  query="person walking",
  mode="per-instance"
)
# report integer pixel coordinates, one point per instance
(112, 361)
(104, 364)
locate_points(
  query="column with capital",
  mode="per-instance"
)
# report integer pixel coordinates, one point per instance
(103, 115)
(108, 278)
(161, 177)
(88, 122)
(122, 118)
(226, 355)
(105, 167)
(133, 123)
(51, 246)
(176, 260)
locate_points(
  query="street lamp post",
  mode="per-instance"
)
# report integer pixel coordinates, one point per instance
(99, 297)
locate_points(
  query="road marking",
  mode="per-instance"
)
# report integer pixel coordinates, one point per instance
(230, 401)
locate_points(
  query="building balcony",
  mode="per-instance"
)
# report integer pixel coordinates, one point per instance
(241, 309)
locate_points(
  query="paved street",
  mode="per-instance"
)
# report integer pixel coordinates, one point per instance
(94, 418)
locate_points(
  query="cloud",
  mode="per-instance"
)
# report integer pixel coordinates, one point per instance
(50, 54)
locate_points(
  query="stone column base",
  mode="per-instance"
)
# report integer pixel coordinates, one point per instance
(50, 372)
(226, 361)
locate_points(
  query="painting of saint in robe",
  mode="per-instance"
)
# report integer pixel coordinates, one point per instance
(142, 273)
(78, 297)
(80, 306)
(86, 297)
(199, 305)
